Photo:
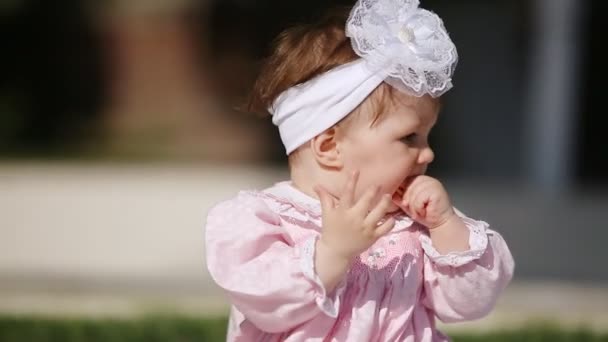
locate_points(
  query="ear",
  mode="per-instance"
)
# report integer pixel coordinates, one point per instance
(325, 149)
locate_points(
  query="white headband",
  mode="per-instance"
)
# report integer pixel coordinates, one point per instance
(400, 44)
(306, 110)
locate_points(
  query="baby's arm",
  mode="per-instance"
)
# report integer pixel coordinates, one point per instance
(427, 202)
(268, 278)
(330, 266)
(466, 266)
(462, 286)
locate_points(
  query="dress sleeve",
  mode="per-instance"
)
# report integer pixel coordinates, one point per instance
(461, 286)
(270, 279)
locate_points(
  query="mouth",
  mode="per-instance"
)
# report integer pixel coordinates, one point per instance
(401, 189)
(400, 192)
(397, 198)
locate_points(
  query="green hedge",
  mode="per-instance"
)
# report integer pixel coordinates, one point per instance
(185, 329)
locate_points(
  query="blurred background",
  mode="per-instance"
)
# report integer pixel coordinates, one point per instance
(118, 131)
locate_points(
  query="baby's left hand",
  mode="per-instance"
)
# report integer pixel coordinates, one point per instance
(425, 200)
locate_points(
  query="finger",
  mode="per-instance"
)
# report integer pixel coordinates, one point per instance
(408, 209)
(408, 183)
(419, 203)
(408, 197)
(413, 191)
(421, 212)
(327, 202)
(348, 193)
(385, 227)
(365, 201)
(408, 188)
(397, 199)
(417, 183)
(379, 210)
(398, 195)
(429, 194)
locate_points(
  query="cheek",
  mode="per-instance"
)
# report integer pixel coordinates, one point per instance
(381, 162)
(388, 170)
(361, 155)
(398, 168)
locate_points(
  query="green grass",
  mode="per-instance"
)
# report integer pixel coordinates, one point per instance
(534, 333)
(185, 329)
(148, 329)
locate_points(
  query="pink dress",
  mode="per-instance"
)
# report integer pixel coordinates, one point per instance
(260, 250)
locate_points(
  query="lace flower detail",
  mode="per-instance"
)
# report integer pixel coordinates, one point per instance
(408, 44)
(478, 242)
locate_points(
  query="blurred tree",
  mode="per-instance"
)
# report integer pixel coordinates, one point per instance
(52, 76)
(239, 35)
(241, 32)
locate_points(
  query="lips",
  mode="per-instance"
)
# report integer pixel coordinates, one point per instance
(401, 189)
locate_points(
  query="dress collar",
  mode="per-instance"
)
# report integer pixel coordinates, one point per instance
(290, 196)
(286, 192)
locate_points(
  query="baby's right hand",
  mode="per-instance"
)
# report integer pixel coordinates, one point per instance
(350, 227)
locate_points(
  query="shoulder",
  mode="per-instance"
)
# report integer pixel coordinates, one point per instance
(242, 220)
(245, 204)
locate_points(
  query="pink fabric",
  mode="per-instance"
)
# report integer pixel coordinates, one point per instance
(260, 250)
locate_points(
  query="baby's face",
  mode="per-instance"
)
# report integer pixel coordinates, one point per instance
(392, 150)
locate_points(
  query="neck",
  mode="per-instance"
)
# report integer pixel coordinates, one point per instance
(305, 175)
(304, 180)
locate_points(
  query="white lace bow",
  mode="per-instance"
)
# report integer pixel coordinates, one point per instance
(407, 44)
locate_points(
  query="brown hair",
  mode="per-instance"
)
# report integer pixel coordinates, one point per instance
(300, 53)
(304, 52)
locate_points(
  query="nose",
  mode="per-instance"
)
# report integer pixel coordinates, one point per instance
(426, 155)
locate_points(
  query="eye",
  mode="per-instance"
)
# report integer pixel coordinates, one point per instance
(410, 138)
